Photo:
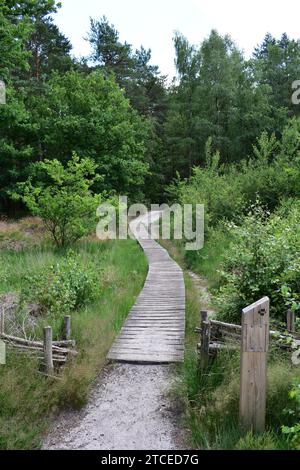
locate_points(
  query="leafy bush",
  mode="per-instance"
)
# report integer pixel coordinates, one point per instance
(263, 259)
(61, 196)
(214, 186)
(62, 287)
(293, 432)
(227, 191)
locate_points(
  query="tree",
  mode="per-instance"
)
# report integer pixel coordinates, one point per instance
(204, 101)
(62, 198)
(88, 114)
(49, 48)
(108, 51)
(13, 34)
(31, 46)
(276, 63)
(131, 69)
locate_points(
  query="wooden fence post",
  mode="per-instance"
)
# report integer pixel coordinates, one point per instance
(48, 349)
(254, 348)
(67, 327)
(290, 321)
(205, 339)
(2, 319)
(204, 316)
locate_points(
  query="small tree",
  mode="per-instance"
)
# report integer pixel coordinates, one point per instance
(62, 198)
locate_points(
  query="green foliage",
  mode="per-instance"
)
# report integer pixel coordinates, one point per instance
(263, 259)
(227, 191)
(208, 260)
(89, 115)
(212, 402)
(266, 441)
(28, 400)
(57, 105)
(213, 187)
(13, 35)
(62, 287)
(261, 250)
(141, 81)
(276, 63)
(61, 197)
(293, 432)
(216, 96)
(49, 50)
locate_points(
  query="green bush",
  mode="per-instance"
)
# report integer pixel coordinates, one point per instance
(263, 259)
(61, 196)
(215, 186)
(60, 288)
(293, 432)
(227, 191)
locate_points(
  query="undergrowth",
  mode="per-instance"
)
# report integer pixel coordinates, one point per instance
(27, 398)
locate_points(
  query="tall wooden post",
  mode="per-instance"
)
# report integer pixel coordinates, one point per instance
(290, 321)
(2, 353)
(205, 339)
(48, 349)
(254, 348)
(67, 327)
(2, 344)
(2, 319)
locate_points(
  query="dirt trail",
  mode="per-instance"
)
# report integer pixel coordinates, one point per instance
(205, 297)
(129, 409)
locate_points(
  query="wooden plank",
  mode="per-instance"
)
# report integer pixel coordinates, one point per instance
(146, 358)
(155, 327)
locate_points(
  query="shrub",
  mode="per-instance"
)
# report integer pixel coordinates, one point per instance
(293, 432)
(227, 191)
(61, 196)
(62, 287)
(263, 259)
(214, 186)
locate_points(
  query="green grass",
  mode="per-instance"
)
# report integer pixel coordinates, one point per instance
(207, 261)
(27, 398)
(211, 400)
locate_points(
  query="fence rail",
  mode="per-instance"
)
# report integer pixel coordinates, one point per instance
(51, 353)
(220, 333)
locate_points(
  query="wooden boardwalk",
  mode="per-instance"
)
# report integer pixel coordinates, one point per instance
(155, 327)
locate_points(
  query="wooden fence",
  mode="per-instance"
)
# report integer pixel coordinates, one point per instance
(50, 353)
(252, 339)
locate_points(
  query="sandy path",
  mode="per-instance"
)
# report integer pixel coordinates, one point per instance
(129, 409)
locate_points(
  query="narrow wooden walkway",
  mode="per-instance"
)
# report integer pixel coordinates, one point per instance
(155, 327)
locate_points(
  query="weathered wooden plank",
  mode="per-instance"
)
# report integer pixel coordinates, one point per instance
(155, 327)
(146, 358)
(150, 350)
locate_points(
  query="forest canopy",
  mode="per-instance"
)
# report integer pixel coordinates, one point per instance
(116, 107)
